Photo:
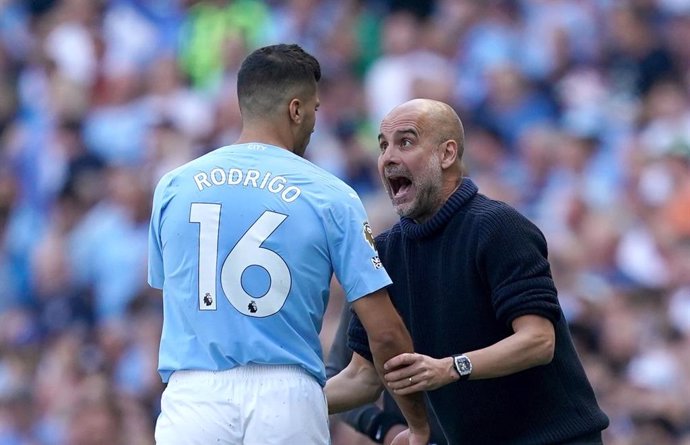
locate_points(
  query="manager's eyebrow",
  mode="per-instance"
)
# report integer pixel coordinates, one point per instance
(401, 132)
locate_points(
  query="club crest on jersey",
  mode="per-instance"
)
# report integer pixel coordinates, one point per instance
(368, 235)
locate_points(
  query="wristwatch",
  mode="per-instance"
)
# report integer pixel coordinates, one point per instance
(463, 366)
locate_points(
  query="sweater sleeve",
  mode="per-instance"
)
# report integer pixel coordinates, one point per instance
(357, 339)
(512, 255)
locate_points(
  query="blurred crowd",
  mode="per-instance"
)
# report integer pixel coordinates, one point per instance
(577, 112)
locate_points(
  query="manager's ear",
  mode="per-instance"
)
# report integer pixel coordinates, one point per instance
(295, 110)
(449, 153)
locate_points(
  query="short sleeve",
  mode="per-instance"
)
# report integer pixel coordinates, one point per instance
(155, 245)
(356, 262)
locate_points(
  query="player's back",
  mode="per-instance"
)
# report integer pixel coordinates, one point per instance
(245, 265)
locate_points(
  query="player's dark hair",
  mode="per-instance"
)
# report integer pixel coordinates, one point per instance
(273, 74)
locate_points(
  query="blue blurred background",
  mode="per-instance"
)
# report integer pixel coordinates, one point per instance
(577, 112)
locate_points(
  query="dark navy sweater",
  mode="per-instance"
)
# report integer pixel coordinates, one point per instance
(459, 280)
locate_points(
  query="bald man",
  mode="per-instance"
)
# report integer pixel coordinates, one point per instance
(473, 285)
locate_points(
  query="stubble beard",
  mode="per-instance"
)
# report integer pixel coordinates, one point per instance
(428, 191)
(301, 146)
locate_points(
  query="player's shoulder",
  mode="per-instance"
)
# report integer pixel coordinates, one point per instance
(183, 170)
(325, 177)
(326, 182)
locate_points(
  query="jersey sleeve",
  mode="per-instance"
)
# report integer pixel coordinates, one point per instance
(155, 245)
(512, 253)
(356, 262)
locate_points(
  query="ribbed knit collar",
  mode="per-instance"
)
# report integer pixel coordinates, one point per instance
(463, 194)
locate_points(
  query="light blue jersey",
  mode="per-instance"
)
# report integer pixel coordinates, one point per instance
(244, 242)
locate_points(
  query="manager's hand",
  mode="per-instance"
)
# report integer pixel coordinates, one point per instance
(412, 372)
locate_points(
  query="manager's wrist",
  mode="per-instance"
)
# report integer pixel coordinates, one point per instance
(462, 366)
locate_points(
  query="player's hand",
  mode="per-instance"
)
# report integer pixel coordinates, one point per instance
(407, 437)
(410, 372)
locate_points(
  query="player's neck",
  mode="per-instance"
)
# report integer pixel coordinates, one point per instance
(264, 135)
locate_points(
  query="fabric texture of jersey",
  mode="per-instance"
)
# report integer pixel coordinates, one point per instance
(244, 242)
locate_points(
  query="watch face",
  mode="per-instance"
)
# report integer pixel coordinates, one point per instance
(463, 365)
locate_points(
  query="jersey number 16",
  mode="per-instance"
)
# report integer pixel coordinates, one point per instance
(247, 252)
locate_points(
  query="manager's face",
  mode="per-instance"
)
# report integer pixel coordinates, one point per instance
(409, 163)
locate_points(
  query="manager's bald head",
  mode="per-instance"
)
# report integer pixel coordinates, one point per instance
(421, 143)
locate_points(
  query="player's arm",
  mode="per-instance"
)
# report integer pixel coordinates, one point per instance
(358, 269)
(388, 338)
(353, 383)
(357, 384)
(369, 419)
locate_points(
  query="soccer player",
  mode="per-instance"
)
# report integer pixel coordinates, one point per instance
(244, 242)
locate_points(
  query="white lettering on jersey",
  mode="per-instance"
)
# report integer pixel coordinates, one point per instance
(250, 178)
(272, 187)
(201, 179)
(218, 176)
(234, 176)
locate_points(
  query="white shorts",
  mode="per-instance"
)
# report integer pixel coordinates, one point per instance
(247, 405)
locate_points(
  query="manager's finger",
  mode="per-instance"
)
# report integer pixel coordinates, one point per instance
(403, 359)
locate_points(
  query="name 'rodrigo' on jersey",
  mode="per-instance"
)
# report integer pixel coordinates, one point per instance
(244, 242)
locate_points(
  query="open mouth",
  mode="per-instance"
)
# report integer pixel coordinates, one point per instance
(399, 185)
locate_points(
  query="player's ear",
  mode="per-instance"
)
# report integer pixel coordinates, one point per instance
(295, 109)
(449, 153)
